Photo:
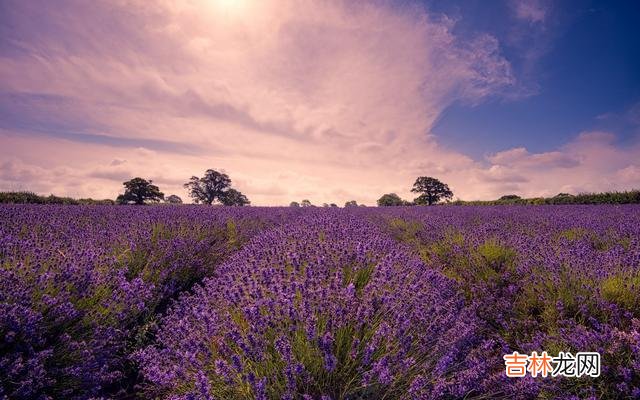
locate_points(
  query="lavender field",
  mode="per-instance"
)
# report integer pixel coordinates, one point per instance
(192, 302)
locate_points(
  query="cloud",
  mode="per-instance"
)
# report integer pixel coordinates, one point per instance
(498, 173)
(591, 162)
(114, 173)
(630, 174)
(531, 11)
(521, 157)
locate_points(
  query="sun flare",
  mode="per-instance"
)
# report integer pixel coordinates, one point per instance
(232, 6)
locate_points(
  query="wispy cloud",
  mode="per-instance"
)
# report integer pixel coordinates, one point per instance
(531, 11)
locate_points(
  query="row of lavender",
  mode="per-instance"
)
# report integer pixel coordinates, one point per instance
(564, 278)
(81, 287)
(318, 304)
(326, 308)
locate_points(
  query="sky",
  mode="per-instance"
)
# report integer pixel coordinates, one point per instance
(322, 100)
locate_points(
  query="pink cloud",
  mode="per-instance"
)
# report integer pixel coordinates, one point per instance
(532, 11)
(522, 158)
(342, 94)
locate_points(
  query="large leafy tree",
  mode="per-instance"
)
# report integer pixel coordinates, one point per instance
(140, 191)
(209, 188)
(232, 197)
(431, 190)
(390, 199)
(215, 186)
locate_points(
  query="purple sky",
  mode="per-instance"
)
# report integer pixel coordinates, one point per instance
(322, 100)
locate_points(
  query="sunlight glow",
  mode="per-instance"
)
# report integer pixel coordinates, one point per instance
(232, 6)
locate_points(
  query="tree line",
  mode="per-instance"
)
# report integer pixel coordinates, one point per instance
(624, 197)
(430, 191)
(213, 187)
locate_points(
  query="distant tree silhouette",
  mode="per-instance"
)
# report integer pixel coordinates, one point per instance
(351, 203)
(306, 203)
(294, 204)
(140, 191)
(173, 199)
(510, 197)
(232, 197)
(215, 186)
(209, 188)
(333, 205)
(390, 199)
(431, 189)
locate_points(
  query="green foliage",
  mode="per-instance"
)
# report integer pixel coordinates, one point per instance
(359, 277)
(623, 289)
(232, 234)
(390, 199)
(627, 197)
(405, 231)
(32, 198)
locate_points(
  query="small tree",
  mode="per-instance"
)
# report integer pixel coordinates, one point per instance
(306, 203)
(333, 205)
(232, 197)
(510, 197)
(294, 204)
(431, 189)
(173, 199)
(351, 203)
(139, 191)
(390, 199)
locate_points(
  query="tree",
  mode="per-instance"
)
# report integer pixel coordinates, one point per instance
(431, 189)
(232, 197)
(209, 188)
(173, 199)
(351, 203)
(138, 191)
(306, 203)
(333, 205)
(294, 204)
(390, 199)
(510, 197)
